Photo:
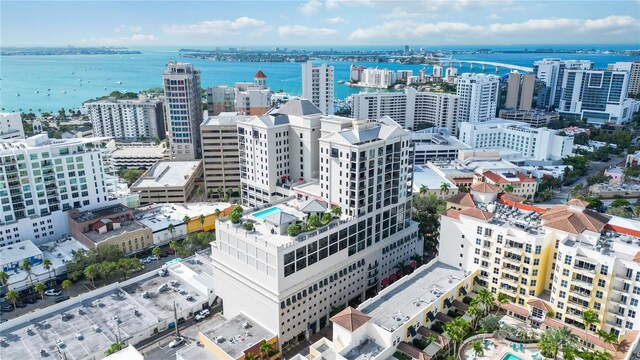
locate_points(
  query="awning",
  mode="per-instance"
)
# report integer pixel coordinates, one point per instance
(447, 302)
(393, 277)
(430, 316)
(385, 282)
(463, 291)
(411, 331)
(459, 305)
(443, 317)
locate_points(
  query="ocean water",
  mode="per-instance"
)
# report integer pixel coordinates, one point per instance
(71, 80)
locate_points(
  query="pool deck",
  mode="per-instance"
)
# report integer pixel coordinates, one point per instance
(502, 348)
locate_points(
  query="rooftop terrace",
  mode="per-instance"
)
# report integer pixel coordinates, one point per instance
(235, 335)
(402, 300)
(125, 227)
(505, 215)
(168, 174)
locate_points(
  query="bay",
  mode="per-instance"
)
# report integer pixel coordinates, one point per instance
(71, 80)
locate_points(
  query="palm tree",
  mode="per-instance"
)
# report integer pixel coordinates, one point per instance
(608, 337)
(199, 192)
(401, 267)
(589, 317)
(423, 189)
(508, 188)
(265, 349)
(171, 229)
(12, 297)
(249, 356)
(456, 331)
(478, 347)
(47, 265)
(476, 313)
(486, 298)
(210, 193)
(66, 284)
(173, 245)
(91, 272)
(26, 266)
(502, 299)
(40, 288)
(156, 251)
(186, 219)
(201, 218)
(4, 278)
(444, 188)
(220, 191)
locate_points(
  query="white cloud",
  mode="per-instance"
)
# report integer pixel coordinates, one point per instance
(219, 27)
(398, 29)
(336, 20)
(135, 39)
(128, 29)
(301, 31)
(493, 16)
(311, 7)
(335, 4)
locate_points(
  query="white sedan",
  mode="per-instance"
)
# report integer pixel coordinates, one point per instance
(53, 292)
(176, 342)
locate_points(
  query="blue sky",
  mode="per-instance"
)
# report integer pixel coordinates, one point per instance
(317, 22)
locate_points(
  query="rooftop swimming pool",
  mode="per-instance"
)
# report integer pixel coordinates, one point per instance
(266, 212)
(510, 356)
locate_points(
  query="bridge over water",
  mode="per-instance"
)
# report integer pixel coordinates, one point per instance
(484, 65)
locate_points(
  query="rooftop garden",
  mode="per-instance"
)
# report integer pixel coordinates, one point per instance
(313, 222)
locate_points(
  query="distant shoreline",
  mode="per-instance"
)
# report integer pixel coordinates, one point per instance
(43, 51)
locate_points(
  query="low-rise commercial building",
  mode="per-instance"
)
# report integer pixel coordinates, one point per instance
(535, 118)
(168, 182)
(511, 182)
(428, 182)
(435, 144)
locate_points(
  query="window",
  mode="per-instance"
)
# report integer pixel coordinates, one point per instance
(599, 294)
(604, 269)
(632, 314)
(633, 302)
(567, 259)
(563, 283)
(636, 290)
(601, 283)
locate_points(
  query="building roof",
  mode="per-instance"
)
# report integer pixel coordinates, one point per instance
(512, 197)
(462, 198)
(298, 107)
(452, 213)
(260, 75)
(484, 187)
(167, 174)
(18, 252)
(235, 335)
(425, 176)
(313, 205)
(350, 318)
(280, 218)
(578, 202)
(564, 218)
(540, 304)
(477, 213)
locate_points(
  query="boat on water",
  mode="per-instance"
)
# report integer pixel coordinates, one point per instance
(118, 82)
(48, 94)
(105, 88)
(18, 94)
(36, 92)
(341, 82)
(64, 91)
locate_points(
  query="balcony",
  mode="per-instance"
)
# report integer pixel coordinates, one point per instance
(574, 313)
(507, 290)
(584, 271)
(513, 262)
(583, 283)
(584, 295)
(578, 304)
(510, 281)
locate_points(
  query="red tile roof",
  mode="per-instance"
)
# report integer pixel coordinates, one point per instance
(562, 217)
(515, 308)
(463, 199)
(260, 75)
(452, 213)
(578, 202)
(484, 187)
(477, 213)
(350, 318)
(524, 178)
(495, 177)
(540, 304)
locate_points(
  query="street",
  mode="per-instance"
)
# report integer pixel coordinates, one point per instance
(560, 196)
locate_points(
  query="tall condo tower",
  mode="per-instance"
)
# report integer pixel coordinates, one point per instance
(317, 86)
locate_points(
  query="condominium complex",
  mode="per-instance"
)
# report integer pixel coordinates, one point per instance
(377, 78)
(411, 109)
(551, 72)
(220, 154)
(288, 279)
(633, 68)
(520, 91)
(533, 143)
(245, 98)
(183, 109)
(11, 126)
(41, 178)
(553, 264)
(317, 86)
(478, 97)
(127, 119)
(597, 96)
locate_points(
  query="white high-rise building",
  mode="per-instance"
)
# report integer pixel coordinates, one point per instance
(437, 71)
(42, 178)
(377, 78)
(410, 108)
(633, 68)
(11, 126)
(534, 143)
(597, 96)
(478, 97)
(183, 109)
(127, 119)
(289, 279)
(551, 72)
(317, 86)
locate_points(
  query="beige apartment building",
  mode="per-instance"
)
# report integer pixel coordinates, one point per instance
(168, 182)
(220, 154)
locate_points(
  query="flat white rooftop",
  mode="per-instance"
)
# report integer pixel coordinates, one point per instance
(158, 217)
(402, 300)
(422, 175)
(168, 174)
(18, 252)
(140, 152)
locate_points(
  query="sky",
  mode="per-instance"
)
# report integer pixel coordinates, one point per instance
(317, 22)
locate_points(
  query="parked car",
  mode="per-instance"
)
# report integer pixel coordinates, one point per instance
(53, 292)
(202, 314)
(62, 298)
(30, 300)
(145, 260)
(153, 258)
(6, 308)
(21, 305)
(170, 252)
(176, 342)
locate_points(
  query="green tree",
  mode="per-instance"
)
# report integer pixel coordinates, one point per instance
(171, 229)
(235, 217)
(26, 266)
(336, 211)
(620, 211)
(476, 314)
(247, 226)
(40, 288)
(130, 175)
(199, 192)
(326, 217)
(489, 323)
(478, 347)
(508, 188)
(210, 193)
(66, 285)
(220, 191)
(46, 263)
(444, 188)
(156, 251)
(293, 230)
(201, 219)
(589, 317)
(486, 299)
(173, 245)
(608, 337)
(502, 299)
(426, 212)
(186, 219)
(620, 202)
(313, 221)
(266, 348)
(115, 347)
(456, 331)
(423, 190)
(4, 278)
(91, 272)
(12, 297)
